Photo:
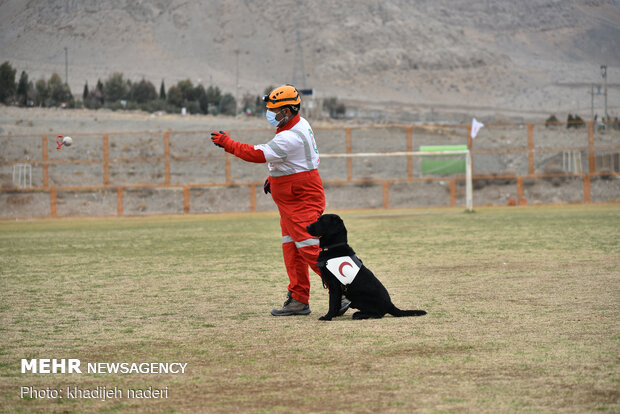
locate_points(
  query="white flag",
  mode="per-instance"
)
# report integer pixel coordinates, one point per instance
(475, 127)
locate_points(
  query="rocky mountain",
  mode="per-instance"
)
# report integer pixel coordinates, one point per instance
(525, 57)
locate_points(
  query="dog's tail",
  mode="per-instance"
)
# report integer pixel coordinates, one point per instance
(398, 312)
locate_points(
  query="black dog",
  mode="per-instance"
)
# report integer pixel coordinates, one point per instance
(339, 265)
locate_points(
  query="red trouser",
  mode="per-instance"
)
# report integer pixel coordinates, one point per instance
(301, 201)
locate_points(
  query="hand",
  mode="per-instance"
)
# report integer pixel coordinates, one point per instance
(267, 186)
(220, 138)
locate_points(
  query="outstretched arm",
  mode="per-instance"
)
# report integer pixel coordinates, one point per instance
(246, 152)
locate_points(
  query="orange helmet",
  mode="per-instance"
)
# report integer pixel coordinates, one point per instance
(282, 96)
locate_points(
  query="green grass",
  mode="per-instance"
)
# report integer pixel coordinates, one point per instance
(523, 313)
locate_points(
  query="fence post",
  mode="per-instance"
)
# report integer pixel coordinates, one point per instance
(349, 160)
(591, 164)
(453, 192)
(591, 158)
(530, 148)
(106, 159)
(586, 189)
(227, 168)
(53, 201)
(386, 194)
(45, 165)
(252, 197)
(410, 149)
(119, 201)
(167, 157)
(186, 199)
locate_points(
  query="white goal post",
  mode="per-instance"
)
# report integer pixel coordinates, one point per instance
(469, 202)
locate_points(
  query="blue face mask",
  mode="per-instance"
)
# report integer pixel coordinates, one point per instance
(271, 118)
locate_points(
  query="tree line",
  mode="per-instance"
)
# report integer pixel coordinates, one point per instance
(117, 92)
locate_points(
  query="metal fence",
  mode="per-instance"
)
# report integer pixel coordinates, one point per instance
(177, 172)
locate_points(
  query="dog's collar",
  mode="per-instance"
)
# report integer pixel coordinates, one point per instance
(326, 248)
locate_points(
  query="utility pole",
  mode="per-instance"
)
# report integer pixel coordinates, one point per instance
(237, 51)
(66, 66)
(592, 102)
(299, 71)
(604, 74)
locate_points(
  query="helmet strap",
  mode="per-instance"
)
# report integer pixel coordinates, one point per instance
(284, 120)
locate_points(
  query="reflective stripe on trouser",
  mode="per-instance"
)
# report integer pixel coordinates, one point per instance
(297, 262)
(297, 257)
(301, 201)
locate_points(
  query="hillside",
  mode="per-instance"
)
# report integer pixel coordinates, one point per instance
(530, 57)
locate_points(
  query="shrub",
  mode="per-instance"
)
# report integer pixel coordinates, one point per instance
(575, 122)
(193, 107)
(551, 121)
(154, 105)
(335, 108)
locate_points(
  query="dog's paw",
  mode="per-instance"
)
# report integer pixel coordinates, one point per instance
(325, 318)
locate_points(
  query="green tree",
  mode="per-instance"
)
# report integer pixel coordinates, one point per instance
(99, 89)
(42, 93)
(162, 91)
(7, 82)
(187, 89)
(31, 95)
(85, 92)
(201, 97)
(115, 88)
(22, 89)
(143, 92)
(59, 92)
(228, 105)
(175, 96)
(214, 95)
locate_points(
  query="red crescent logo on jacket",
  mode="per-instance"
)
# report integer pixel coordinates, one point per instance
(342, 266)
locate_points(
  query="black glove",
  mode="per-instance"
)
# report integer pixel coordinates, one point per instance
(267, 186)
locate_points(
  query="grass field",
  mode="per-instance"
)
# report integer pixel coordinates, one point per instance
(524, 313)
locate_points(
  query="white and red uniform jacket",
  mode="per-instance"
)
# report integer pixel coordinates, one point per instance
(296, 187)
(292, 150)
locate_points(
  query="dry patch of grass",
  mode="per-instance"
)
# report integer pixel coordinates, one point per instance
(523, 313)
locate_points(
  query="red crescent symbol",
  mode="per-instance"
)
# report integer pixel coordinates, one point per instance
(343, 265)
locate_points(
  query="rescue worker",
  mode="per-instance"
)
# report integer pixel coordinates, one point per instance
(295, 186)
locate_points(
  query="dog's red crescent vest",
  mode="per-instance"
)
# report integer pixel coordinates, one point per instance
(345, 268)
